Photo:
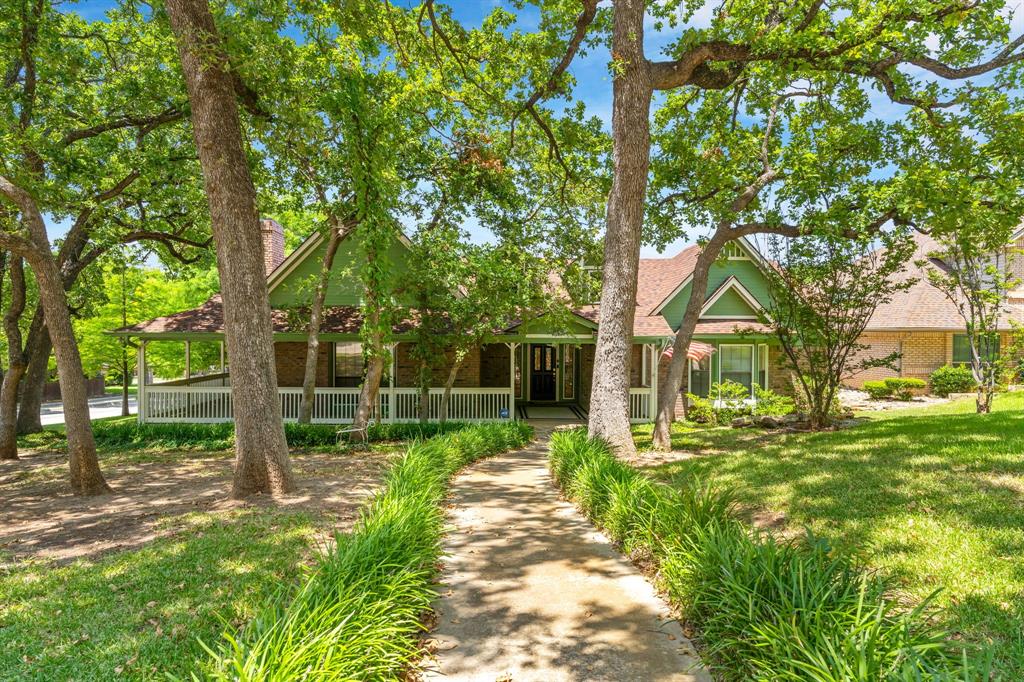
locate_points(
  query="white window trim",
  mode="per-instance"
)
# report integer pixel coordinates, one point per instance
(767, 362)
(753, 375)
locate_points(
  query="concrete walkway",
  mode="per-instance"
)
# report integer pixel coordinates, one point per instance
(531, 591)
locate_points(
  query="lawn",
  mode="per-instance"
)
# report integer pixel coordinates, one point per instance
(126, 585)
(932, 495)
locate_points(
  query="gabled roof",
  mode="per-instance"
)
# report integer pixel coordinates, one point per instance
(731, 284)
(209, 319)
(923, 306)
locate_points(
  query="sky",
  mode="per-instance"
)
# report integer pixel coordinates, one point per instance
(593, 84)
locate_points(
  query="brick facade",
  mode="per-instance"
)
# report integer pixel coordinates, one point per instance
(408, 369)
(290, 359)
(586, 374)
(273, 244)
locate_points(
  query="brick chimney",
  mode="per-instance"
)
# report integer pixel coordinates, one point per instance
(273, 244)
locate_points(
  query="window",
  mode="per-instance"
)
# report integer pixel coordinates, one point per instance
(568, 372)
(762, 365)
(988, 349)
(348, 364)
(737, 364)
(700, 377)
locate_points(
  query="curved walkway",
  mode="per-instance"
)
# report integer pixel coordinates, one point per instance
(531, 591)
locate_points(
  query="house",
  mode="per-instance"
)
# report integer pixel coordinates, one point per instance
(924, 326)
(532, 369)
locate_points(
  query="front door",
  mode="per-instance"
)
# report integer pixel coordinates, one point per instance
(543, 360)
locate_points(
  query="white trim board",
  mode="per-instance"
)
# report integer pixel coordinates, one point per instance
(732, 283)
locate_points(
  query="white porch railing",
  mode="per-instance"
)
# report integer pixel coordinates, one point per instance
(640, 405)
(212, 404)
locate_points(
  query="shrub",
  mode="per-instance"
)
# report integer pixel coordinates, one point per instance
(125, 434)
(767, 609)
(732, 397)
(952, 379)
(903, 388)
(700, 410)
(357, 614)
(771, 404)
(878, 390)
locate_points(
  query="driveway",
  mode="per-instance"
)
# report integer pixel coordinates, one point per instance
(104, 406)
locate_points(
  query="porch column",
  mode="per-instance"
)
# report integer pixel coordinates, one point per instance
(140, 392)
(512, 379)
(392, 405)
(222, 361)
(652, 408)
(188, 360)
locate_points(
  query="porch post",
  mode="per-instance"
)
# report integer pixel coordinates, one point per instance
(652, 406)
(392, 405)
(512, 380)
(140, 392)
(222, 361)
(188, 360)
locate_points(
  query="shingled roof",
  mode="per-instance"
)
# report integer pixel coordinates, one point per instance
(657, 279)
(209, 319)
(922, 306)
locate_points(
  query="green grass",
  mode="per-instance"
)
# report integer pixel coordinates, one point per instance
(933, 496)
(765, 609)
(357, 615)
(137, 614)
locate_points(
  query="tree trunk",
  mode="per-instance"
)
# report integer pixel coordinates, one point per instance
(30, 403)
(313, 333)
(669, 389)
(261, 452)
(442, 413)
(368, 394)
(632, 91)
(16, 361)
(424, 406)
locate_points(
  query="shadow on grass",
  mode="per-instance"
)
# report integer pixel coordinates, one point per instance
(937, 499)
(140, 614)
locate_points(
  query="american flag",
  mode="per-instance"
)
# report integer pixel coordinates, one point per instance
(697, 351)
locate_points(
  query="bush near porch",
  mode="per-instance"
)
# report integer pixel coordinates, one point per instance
(125, 433)
(933, 496)
(766, 609)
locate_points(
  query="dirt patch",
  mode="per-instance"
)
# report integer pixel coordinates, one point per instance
(860, 401)
(40, 518)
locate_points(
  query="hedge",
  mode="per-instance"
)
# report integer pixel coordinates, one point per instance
(130, 435)
(358, 613)
(766, 609)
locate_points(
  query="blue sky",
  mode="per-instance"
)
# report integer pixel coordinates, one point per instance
(590, 72)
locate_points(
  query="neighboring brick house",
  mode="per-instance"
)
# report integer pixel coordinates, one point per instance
(924, 326)
(530, 365)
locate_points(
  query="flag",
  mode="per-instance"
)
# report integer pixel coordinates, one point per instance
(697, 351)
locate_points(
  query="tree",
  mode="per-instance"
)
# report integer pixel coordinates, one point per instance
(867, 42)
(261, 453)
(823, 292)
(88, 132)
(976, 280)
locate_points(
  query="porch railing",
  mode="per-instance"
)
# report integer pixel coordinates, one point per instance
(212, 404)
(639, 405)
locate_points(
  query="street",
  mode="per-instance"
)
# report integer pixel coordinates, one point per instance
(103, 406)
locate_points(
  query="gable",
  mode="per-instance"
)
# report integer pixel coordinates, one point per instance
(293, 283)
(731, 302)
(747, 273)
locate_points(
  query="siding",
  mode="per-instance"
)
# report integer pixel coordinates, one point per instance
(746, 271)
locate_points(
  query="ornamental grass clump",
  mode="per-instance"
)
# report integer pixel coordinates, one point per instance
(766, 609)
(357, 613)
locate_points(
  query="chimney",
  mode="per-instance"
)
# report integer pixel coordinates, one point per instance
(273, 244)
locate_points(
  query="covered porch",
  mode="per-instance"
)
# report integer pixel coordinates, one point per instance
(497, 381)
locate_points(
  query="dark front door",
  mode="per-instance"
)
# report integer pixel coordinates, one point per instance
(543, 360)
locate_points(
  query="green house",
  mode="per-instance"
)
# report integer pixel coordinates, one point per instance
(533, 369)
